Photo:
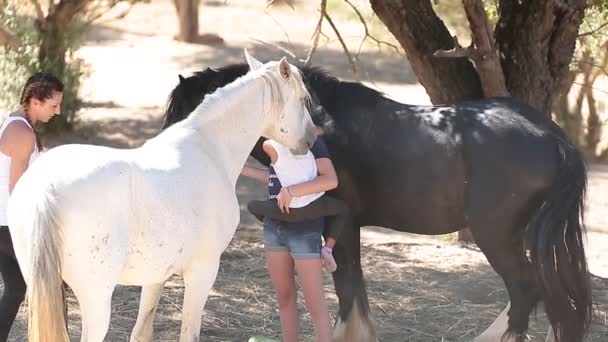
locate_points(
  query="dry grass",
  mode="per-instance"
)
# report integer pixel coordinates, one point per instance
(418, 292)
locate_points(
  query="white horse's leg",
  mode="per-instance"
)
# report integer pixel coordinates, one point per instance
(142, 331)
(198, 281)
(495, 332)
(95, 307)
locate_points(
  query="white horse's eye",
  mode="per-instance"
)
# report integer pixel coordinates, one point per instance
(284, 130)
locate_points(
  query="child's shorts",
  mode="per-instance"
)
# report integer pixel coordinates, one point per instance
(302, 240)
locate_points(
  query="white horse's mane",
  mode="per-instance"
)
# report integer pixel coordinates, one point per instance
(213, 103)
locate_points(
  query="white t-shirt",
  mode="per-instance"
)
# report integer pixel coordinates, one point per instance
(5, 169)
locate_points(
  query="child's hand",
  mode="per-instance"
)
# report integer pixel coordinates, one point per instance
(284, 199)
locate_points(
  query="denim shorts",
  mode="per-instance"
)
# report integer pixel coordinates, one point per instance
(301, 240)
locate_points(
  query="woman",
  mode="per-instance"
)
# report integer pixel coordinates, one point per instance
(19, 147)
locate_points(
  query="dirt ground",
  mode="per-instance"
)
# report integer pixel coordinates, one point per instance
(420, 288)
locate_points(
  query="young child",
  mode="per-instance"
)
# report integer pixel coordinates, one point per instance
(294, 182)
(336, 212)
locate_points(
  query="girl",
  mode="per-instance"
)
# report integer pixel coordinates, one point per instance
(295, 182)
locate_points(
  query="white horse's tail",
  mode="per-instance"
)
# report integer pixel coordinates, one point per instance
(44, 291)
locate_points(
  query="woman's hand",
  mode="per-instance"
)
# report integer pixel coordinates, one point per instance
(284, 199)
(255, 173)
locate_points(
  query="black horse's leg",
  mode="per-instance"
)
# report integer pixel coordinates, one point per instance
(353, 323)
(14, 285)
(500, 238)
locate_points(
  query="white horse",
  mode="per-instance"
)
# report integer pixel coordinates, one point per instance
(97, 216)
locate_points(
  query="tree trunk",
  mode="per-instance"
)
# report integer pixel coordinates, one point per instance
(421, 33)
(52, 30)
(484, 51)
(187, 14)
(536, 39)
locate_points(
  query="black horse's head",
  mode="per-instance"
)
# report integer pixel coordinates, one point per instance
(191, 91)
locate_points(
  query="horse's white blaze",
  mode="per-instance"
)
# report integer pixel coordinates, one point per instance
(104, 216)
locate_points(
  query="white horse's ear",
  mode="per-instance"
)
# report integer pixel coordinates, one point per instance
(284, 69)
(253, 63)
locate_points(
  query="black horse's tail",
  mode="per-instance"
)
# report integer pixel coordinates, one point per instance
(555, 241)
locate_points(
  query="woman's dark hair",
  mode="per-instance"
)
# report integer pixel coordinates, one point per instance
(40, 86)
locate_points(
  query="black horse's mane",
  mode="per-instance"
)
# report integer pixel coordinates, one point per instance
(191, 90)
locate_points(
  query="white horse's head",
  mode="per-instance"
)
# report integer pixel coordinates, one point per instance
(289, 121)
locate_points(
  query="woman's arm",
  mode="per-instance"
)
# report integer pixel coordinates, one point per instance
(18, 143)
(261, 174)
(255, 173)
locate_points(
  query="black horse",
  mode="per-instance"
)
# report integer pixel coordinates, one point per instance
(497, 166)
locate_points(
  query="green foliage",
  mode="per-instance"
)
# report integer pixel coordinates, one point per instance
(16, 64)
(594, 29)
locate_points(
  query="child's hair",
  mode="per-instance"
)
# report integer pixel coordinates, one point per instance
(40, 86)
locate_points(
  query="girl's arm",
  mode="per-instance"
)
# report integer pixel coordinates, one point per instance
(327, 180)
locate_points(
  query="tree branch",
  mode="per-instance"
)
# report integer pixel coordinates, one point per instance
(276, 46)
(484, 54)
(7, 38)
(367, 34)
(38, 9)
(276, 2)
(420, 32)
(456, 52)
(351, 60)
(102, 10)
(316, 34)
(594, 31)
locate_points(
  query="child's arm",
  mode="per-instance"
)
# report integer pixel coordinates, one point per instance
(327, 180)
(255, 173)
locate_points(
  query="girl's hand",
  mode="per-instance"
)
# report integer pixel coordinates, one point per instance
(284, 199)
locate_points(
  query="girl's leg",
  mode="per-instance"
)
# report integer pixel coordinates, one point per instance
(280, 267)
(304, 241)
(324, 206)
(311, 280)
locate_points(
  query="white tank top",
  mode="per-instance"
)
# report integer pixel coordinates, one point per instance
(292, 170)
(5, 169)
